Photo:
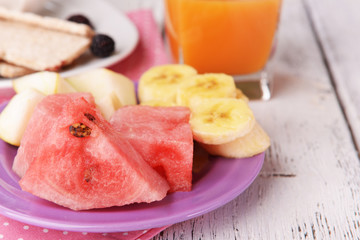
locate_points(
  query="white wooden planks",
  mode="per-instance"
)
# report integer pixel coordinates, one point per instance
(337, 24)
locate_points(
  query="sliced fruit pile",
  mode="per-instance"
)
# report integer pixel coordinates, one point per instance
(221, 119)
(72, 156)
(84, 160)
(108, 144)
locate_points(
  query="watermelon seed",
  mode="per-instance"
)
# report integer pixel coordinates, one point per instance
(80, 130)
(88, 174)
(89, 116)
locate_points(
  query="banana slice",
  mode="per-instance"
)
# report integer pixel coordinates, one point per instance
(210, 85)
(256, 141)
(220, 120)
(240, 95)
(160, 83)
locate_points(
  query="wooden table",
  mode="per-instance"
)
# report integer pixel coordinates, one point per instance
(309, 187)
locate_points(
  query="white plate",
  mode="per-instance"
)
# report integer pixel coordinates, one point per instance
(106, 19)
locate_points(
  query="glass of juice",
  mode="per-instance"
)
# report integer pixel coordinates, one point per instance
(235, 37)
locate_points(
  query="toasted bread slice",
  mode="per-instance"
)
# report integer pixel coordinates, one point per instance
(8, 70)
(41, 43)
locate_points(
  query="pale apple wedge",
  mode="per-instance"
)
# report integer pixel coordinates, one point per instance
(45, 82)
(255, 142)
(17, 113)
(109, 89)
(108, 105)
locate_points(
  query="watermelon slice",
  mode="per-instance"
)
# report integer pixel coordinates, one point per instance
(21, 163)
(72, 156)
(163, 137)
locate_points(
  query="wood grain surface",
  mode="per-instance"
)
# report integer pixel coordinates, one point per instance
(336, 26)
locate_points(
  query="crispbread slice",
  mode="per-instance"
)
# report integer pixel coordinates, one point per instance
(38, 48)
(8, 70)
(50, 23)
(41, 43)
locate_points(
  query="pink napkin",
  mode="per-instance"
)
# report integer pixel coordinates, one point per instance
(149, 52)
(6, 94)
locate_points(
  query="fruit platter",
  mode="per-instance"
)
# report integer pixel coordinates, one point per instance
(125, 156)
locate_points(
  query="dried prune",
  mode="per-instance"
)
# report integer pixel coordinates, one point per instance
(79, 18)
(102, 45)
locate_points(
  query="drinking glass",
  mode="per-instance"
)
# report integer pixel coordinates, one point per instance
(235, 37)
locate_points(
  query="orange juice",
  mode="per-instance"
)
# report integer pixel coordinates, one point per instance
(228, 36)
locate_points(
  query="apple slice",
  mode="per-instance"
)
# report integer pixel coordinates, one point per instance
(111, 90)
(45, 82)
(108, 104)
(17, 113)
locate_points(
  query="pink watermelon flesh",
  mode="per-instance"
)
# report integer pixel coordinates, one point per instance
(163, 136)
(96, 171)
(51, 111)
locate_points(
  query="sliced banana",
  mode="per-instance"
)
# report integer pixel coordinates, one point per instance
(240, 95)
(220, 120)
(160, 83)
(210, 85)
(255, 142)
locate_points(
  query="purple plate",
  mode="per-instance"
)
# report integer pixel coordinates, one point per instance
(220, 182)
